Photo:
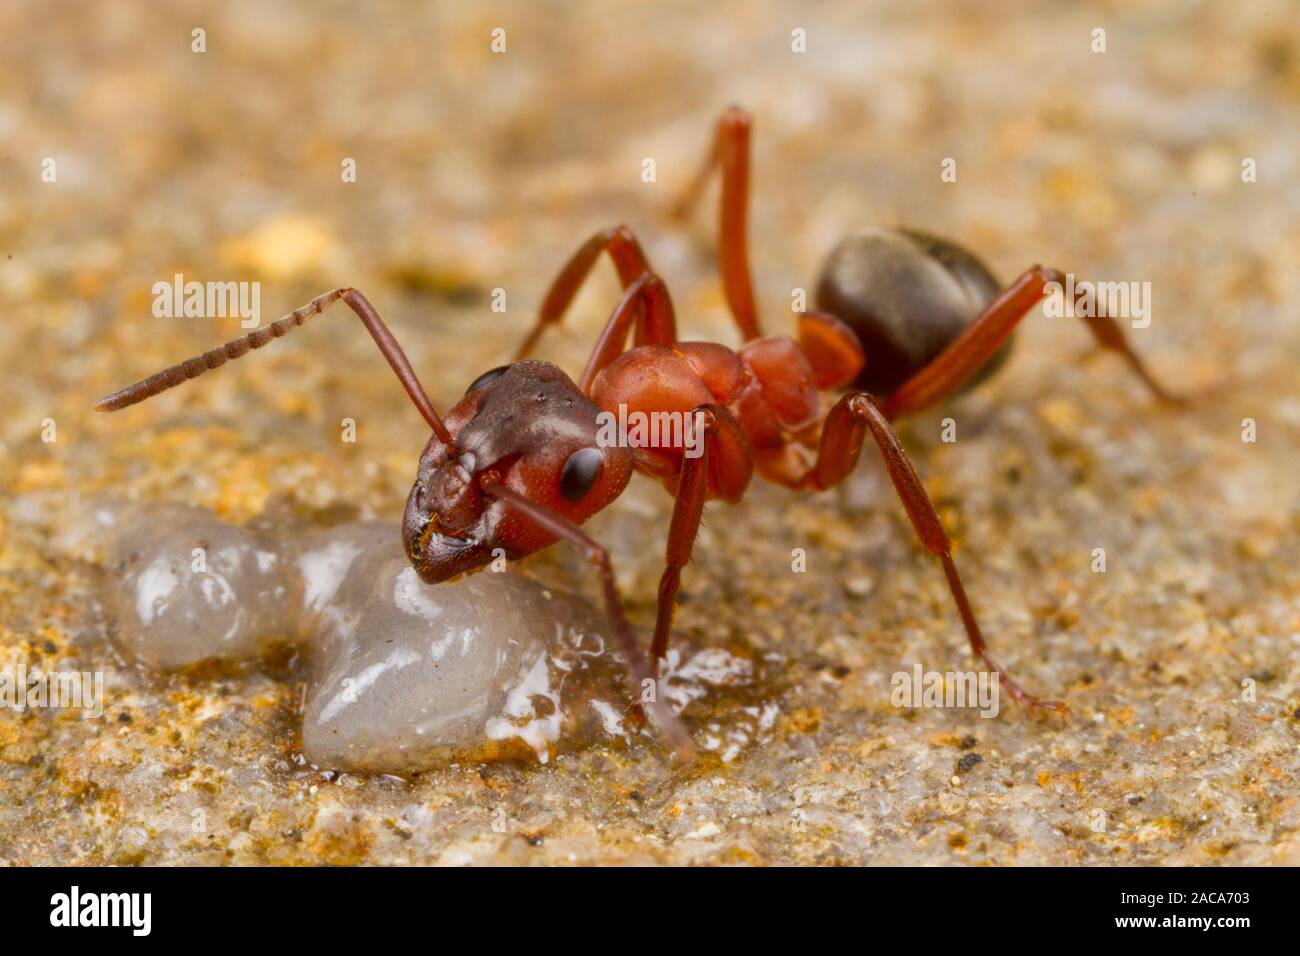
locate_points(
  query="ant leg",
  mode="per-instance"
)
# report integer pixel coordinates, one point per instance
(969, 351)
(730, 152)
(721, 442)
(566, 530)
(648, 303)
(629, 259)
(214, 358)
(841, 445)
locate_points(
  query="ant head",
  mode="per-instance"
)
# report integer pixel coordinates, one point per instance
(530, 426)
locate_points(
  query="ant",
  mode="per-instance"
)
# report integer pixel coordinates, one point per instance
(903, 320)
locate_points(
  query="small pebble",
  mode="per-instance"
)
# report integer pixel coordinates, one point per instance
(968, 762)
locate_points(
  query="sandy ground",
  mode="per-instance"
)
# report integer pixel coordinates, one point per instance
(479, 171)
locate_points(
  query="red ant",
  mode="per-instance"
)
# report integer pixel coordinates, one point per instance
(517, 464)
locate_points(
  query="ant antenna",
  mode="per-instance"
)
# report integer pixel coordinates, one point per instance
(194, 367)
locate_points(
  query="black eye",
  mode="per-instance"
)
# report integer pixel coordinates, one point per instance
(491, 375)
(580, 473)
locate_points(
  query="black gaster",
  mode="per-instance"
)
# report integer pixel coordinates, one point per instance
(908, 295)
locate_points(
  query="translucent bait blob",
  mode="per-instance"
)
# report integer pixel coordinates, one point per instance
(403, 676)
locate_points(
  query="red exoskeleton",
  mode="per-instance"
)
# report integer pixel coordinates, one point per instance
(903, 320)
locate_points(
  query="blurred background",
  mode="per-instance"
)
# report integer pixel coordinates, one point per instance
(478, 170)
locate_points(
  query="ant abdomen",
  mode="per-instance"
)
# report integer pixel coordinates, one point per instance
(907, 295)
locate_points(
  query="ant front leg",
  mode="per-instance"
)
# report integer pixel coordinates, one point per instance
(629, 259)
(730, 153)
(982, 338)
(841, 444)
(724, 454)
(646, 302)
(564, 529)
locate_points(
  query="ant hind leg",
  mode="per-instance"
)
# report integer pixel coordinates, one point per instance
(841, 444)
(956, 364)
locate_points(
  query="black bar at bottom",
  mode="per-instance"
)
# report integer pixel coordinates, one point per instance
(1032, 906)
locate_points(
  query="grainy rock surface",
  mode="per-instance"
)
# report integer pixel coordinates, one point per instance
(479, 171)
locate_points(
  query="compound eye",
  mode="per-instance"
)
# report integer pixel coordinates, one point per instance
(580, 472)
(491, 375)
